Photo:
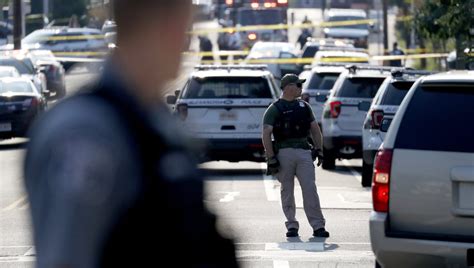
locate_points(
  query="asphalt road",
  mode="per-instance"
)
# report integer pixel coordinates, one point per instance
(247, 204)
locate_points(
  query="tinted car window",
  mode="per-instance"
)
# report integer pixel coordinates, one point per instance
(227, 87)
(322, 80)
(360, 87)
(260, 17)
(348, 18)
(24, 66)
(17, 86)
(444, 114)
(396, 92)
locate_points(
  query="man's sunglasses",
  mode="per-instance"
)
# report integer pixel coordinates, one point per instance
(299, 85)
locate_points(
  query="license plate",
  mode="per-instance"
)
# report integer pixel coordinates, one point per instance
(4, 127)
(226, 116)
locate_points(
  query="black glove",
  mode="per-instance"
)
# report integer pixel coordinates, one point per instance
(316, 153)
(273, 166)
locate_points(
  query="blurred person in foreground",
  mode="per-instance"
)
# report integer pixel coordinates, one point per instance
(108, 174)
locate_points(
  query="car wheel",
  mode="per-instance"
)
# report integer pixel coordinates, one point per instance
(329, 161)
(366, 174)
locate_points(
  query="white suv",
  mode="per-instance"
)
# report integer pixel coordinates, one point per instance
(224, 106)
(318, 83)
(342, 115)
(423, 183)
(384, 106)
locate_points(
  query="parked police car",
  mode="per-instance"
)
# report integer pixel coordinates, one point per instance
(318, 84)
(383, 107)
(423, 184)
(224, 106)
(342, 115)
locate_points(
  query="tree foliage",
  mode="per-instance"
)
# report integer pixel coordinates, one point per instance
(443, 19)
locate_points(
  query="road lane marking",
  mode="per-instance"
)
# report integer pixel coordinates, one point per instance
(281, 264)
(15, 204)
(354, 172)
(230, 196)
(31, 252)
(308, 246)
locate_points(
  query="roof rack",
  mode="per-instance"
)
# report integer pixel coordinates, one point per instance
(399, 72)
(231, 67)
(342, 48)
(354, 68)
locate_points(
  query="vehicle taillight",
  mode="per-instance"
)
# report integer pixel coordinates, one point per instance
(282, 2)
(381, 180)
(229, 2)
(182, 111)
(252, 36)
(254, 5)
(377, 116)
(335, 109)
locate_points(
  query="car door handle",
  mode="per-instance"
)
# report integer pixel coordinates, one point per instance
(462, 183)
(463, 174)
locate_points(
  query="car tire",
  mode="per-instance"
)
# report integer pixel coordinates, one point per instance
(329, 162)
(366, 174)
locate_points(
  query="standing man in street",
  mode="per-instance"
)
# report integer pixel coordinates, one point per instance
(291, 121)
(396, 52)
(108, 173)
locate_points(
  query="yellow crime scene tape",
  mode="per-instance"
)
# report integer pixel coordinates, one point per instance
(327, 59)
(289, 26)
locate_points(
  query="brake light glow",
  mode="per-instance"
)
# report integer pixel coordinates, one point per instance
(335, 109)
(377, 116)
(254, 5)
(282, 2)
(381, 180)
(229, 2)
(252, 36)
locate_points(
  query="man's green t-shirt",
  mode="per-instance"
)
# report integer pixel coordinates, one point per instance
(270, 117)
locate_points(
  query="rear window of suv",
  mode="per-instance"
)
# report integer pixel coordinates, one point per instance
(322, 80)
(396, 92)
(439, 119)
(359, 87)
(228, 87)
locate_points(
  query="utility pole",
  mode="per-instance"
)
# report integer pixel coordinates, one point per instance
(17, 23)
(46, 8)
(385, 24)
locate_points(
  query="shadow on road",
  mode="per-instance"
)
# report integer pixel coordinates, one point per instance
(236, 174)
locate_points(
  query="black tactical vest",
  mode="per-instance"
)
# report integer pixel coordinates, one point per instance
(294, 120)
(170, 209)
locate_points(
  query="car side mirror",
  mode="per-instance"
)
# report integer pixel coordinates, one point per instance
(385, 124)
(364, 106)
(171, 99)
(176, 92)
(321, 98)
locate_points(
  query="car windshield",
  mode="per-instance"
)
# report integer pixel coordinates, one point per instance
(348, 18)
(396, 92)
(24, 66)
(227, 87)
(360, 87)
(322, 80)
(269, 51)
(15, 86)
(260, 17)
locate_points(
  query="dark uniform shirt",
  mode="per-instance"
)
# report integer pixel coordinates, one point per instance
(85, 178)
(271, 116)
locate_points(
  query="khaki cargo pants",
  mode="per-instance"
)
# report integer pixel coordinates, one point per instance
(299, 162)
